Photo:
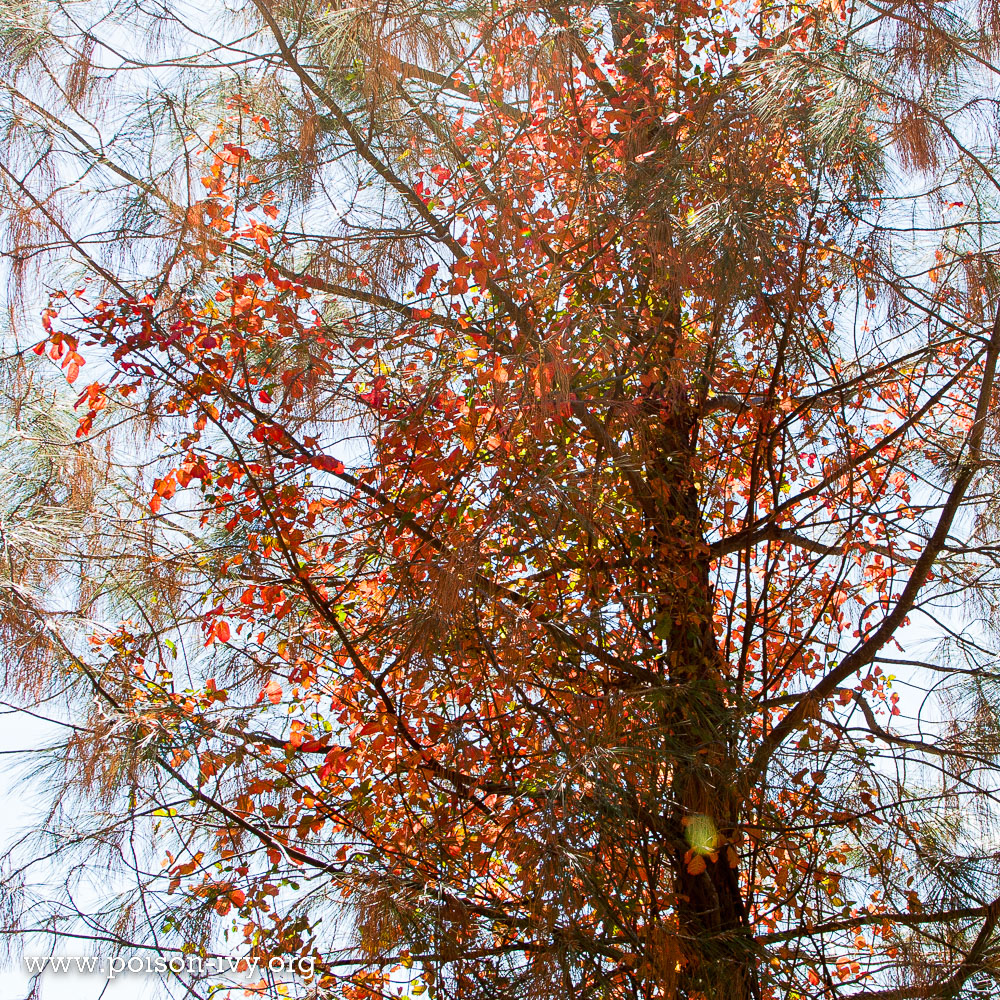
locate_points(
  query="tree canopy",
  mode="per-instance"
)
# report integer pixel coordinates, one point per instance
(502, 496)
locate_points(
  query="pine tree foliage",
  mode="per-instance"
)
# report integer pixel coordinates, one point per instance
(525, 518)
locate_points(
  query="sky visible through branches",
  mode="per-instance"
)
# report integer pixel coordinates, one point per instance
(504, 497)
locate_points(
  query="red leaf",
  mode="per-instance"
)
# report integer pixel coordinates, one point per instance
(424, 283)
(328, 463)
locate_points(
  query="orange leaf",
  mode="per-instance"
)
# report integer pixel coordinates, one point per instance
(424, 283)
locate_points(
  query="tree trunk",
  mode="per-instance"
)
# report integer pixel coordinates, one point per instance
(695, 718)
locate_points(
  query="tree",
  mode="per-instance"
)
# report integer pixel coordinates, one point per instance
(568, 425)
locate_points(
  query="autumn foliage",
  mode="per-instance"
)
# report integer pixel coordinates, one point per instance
(532, 562)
